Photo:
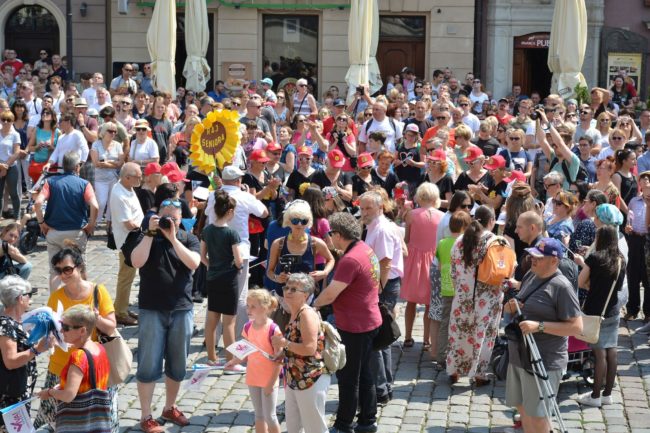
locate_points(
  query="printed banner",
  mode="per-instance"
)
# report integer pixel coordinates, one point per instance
(241, 349)
(16, 418)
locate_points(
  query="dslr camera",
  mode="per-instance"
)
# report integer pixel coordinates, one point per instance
(361, 90)
(535, 114)
(165, 222)
(288, 262)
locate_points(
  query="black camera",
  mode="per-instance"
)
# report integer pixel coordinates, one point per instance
(165, 222)
(288, 262)
(360, 90)
(535, 115)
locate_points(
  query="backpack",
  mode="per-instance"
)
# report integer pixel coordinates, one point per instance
(334, 352)
(390, 120)
(272, 329)
(498, 264)
(582, 175)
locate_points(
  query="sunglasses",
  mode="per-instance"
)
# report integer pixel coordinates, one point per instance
(6, 121)
(477, 81)
(466, 206)
(302, 85)
(367, 114)
(43, 54)
(367, 167)
(140, 129)
(28, 294)
(584, 113)
(605, 120)
(514, 138)
(617, 138)
(296, 221)
(235, 104)
(128, 70)
(342, 119)
(557, 202)
(548, 185)
(464, 105)
(126, 103)
(623, 124)
(66, 328)
(66, 270)
(292, 290)
(111, 131)
(441, 118)
(175, 203)
(418, 87)
(300, 120)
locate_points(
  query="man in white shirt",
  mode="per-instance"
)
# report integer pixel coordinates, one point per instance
(103, 100)
(90, 94)
(382, 236)
(380, 122)
(72, 140)
(126, 215)
(469, 118)
(247, 205)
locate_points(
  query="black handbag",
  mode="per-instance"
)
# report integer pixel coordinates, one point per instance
(388, 330)
(7, 266)
(110, 239)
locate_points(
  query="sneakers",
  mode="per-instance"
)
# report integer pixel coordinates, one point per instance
(150, 425)
(645, 329)
(175, 415)
(606, 400)
(371, 428)
(587, 400)
(235, 369)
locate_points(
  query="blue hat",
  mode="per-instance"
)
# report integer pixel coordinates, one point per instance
(609, 214)
(339, 102)
(267, 81)
(547, 247)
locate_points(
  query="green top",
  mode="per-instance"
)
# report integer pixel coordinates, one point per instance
(443, 254)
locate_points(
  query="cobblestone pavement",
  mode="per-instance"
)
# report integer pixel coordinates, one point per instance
(423, 399)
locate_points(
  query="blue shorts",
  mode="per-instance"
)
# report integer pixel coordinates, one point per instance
(163, 335)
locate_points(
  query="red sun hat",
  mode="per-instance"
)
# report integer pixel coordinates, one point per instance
(273, 146)
(336, 158)
(473, 153)
(515, 175)
(438, 155)
(173, 173)
(152, 168)
(365, 160)
(259, 155)
(305, 150)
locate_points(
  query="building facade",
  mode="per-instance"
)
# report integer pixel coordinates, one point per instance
(251, 39)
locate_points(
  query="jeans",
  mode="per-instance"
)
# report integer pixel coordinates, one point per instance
(12, 182)
(356, 382)
(163, 335)
(381, 360)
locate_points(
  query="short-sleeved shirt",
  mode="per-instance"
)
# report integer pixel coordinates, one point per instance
(124, 206)
(515, 160)
(383, 238)
(390, 127)
(573, 166)
(142, 151)
(258, 368)
(357, 307)
(320, 178)
(554, 301)
(7, 143)
(165, 282)
(59, 358)
(489, 146)
(112, 154)
(71, 142)
(600, 283)
(102, 369)
(387, 182)
(219, 241)
(443, 254)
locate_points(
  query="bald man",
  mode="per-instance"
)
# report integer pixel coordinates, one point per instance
(126, 215)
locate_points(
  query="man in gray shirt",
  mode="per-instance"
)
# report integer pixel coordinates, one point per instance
(552, 313)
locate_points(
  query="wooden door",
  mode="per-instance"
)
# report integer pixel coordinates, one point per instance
(520, 70)
(392, 56)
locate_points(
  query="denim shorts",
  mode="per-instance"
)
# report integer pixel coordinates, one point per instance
(163, 335)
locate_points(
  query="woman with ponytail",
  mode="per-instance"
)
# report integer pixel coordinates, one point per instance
(476, 308)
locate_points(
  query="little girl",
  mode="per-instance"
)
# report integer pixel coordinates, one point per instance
(220, 254)
(261, 373)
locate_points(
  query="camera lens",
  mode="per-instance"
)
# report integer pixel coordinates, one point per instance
(165, 223)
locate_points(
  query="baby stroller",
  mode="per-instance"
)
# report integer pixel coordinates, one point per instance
(581, 361)
(31, 229)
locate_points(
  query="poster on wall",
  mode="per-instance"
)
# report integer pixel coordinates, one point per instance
(235, 74)
(627, 65)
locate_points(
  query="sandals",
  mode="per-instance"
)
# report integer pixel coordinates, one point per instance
(479, 381)
(426, 346)
(409, 342)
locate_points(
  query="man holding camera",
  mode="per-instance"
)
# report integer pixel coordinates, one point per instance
(166, 257)
(551, 313)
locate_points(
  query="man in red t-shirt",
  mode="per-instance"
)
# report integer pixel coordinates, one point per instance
(339, 108)
(503, 114)
(354, 295)
(12, 61)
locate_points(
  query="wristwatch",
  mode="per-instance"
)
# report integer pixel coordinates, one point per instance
(540, 327)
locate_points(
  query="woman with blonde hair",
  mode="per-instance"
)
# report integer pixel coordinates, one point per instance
(617, 140)
(420, 237)
(107, 156)
(604, 126)
(605, 169)
(161, 127)
(560, 225)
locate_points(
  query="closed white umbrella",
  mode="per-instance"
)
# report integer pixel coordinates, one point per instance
(567, 46)
(161, 42)
(363, 37)
(197, 37)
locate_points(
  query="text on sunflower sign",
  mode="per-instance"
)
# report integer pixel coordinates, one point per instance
(213, 139)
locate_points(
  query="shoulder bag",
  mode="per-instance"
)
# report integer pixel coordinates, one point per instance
(591, 324)
(7, 266)
(118, 352)
(89, 411)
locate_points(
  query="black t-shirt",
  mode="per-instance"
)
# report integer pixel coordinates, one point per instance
(464, 180)
(219, 242)
(422, 125)
(496, 190)
(600, 283)
(489, 147)
(387, 183)
(146, 198)
(296, 179)
(445, 184)
(196, 179)
(407, 173)
(165, 282)
(320, 178)
(359, 186)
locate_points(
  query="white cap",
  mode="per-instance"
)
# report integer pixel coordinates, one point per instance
(231, 173)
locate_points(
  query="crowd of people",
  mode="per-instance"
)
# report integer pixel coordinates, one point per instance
(329, 209)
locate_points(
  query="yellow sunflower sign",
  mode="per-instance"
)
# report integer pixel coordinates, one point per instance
(215, 140)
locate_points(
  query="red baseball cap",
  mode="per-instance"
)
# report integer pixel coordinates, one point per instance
(173, 173)
(336, 158)
(365, 160)
(259, 155)
(438, 155)
(473, 153)
(273, 146)
(515, 175)
(495, 162)
(152, 168)
(305, 150)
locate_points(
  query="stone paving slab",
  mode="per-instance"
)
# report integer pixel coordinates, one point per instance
(423, 399)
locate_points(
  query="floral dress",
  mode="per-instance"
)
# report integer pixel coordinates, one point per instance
(475, 314)
(302, 372)
(14, 331)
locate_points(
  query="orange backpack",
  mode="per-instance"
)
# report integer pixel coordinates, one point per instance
(498, 264)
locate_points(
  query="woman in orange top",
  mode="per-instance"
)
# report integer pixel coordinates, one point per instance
(78, 324)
